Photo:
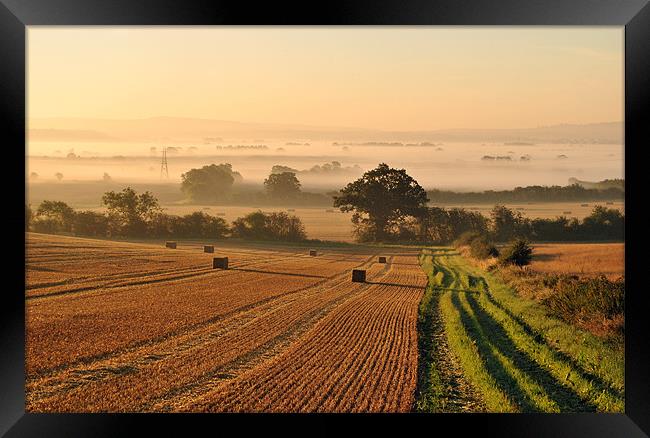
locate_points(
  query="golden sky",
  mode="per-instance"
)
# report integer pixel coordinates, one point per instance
(392, 78)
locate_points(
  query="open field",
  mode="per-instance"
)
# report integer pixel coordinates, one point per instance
(583, 259)
(325, 223)
(544, 210)
(117, 326)
(134, 327)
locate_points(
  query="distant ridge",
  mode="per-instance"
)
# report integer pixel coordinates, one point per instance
(600, 185)
(197, 130)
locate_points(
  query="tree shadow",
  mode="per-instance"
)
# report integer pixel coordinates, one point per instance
(493, 366)
(545, 257)
(600, 384)
(292, 274)
(383, 283)
(567, 399)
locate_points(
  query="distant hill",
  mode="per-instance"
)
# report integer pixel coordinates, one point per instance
(68, 135)
(194, 129)
(600, 185)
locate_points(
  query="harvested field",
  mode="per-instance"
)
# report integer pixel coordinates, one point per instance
(360, 358)
(582, 259)
(96, 342)
(135, 327)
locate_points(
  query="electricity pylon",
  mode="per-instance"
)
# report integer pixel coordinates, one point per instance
(163, 164)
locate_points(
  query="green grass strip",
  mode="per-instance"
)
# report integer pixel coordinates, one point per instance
(430, 392)
(465, 348)
(594, 357)
(571, 387)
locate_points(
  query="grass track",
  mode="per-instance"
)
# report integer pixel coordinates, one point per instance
(516, 356)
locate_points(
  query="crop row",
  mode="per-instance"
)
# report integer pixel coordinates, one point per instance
(361, 357)
(162, 373)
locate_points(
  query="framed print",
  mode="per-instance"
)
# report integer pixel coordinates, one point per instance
(430, 209)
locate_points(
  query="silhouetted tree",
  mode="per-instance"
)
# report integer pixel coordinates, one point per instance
(28, 216)
(53, 217)
(90, 223)
(505, 223)
(269, 226)
(518, 253)
(381, 198)
(199, 224)
(129, 212)
(209, 183)
(282, 186)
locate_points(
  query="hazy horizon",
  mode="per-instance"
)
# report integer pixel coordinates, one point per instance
(391, 78)
(433, 100)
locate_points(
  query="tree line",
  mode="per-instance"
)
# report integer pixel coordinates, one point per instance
(129, 214)
(389, 205)
(214, 184)
(570, 193)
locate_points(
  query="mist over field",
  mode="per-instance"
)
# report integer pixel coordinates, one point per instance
(504, 160)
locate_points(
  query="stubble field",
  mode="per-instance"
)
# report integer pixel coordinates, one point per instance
(582, 259)
(135, 327)
(115, 327)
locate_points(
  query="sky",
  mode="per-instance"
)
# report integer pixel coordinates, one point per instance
(390, 78)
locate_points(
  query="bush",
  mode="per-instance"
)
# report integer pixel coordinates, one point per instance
(271, 226)
(54, 217)
(597, 304)
(466, 238)
(28, 216)
(163, 225)
(89, 223)
(46, 225)
(199, 224)
(518, 253)
(282, 226)
(482, 249)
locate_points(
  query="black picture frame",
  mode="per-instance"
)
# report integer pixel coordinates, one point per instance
(15, 15)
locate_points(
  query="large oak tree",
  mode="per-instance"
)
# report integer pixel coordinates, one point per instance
(209, 183)
(382, 198)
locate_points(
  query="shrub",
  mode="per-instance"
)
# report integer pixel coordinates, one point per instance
(199, 224)
(46, 225)
(271, 226)
(163, 225)
(54, 217)
(89, 223)
(482, 249)
(518, 253)
(466, 238)
(282, 226)
(28, 216)
(597, 304)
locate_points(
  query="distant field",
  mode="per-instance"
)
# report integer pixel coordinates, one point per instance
(545, 210)
(335, 225)
(588, 259)
(319, 223)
